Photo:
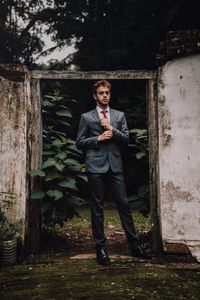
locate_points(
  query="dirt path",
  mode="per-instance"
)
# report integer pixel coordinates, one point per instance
(66, 269)
(77, 243)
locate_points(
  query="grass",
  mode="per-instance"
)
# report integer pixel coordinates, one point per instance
(111, 218)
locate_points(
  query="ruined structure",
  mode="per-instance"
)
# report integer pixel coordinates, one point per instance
(20, 150)
(179, 142)
(173, 95)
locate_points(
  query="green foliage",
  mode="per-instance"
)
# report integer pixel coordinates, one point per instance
(8, 230)
(140, 200)
(136, 157)
(60, 174)
(140, 137)
(111, 218)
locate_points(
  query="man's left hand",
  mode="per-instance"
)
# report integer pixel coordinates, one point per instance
(105, 123)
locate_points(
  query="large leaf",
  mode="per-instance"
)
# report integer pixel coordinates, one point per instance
(76, 200)
(74, 148)
(143, 190)
(39, 173)
(48, 153)
(56, 194)
(133, 198)
(83, 177)
(73, 168)
(37, 195)
(63, 106)
(70, 184)
(50, 97)
(60, 133)
(57, 142)
(47, 103)
(64, 113)
(53, 176)
(73, 162)
(49, 163)
(142, 137)
(74, 155)
(140, 155)
(60, 167)
(64, 123)
(138, 131)
(58, 98)
(71, 142)
(62, 155)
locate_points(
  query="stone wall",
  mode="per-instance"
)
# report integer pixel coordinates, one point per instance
(178, 154)
(14, 105)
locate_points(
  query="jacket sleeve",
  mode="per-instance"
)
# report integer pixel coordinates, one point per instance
(83, 141)
(122, 135)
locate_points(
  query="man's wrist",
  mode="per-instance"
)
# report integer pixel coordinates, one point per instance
(109, 127)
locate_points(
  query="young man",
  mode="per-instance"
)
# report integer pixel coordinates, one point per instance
(102, 133)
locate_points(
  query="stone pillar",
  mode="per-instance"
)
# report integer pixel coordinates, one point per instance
(179, 159)
(16, 144)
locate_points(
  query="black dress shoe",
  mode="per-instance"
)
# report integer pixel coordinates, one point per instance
(102, 257)
(139, 252)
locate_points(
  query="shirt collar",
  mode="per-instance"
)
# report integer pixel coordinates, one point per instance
(99, 109)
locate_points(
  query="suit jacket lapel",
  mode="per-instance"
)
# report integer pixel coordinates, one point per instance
(95, 114)
(112, 116)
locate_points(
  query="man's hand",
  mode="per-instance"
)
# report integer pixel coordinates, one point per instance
(105, 123)
(106, 135)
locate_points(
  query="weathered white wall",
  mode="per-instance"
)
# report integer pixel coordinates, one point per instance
(13, 146)
(179, 152)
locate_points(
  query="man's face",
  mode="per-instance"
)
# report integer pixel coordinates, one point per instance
(102, 96)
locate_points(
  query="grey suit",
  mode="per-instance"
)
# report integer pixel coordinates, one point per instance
(103, 164)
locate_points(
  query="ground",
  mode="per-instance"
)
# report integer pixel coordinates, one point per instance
(66, 267)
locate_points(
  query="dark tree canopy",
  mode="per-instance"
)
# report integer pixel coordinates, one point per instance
(114, 34)
(109, 34)
(17, 42)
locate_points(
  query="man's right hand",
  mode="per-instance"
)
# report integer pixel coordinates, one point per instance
(106, 135)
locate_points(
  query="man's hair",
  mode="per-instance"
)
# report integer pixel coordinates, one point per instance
(99, 83)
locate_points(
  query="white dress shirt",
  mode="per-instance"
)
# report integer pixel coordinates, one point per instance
(99, 109)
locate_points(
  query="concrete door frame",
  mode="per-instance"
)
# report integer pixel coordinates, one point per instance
(151, 95)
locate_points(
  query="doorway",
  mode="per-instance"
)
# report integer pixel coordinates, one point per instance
(147, 80)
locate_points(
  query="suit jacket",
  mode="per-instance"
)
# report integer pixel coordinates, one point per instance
(102, 155)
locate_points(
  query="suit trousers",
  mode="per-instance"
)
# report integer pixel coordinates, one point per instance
(97, 184)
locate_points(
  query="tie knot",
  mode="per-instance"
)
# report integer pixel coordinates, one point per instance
(104, 113)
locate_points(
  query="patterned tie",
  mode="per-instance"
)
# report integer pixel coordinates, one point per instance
(104, 113)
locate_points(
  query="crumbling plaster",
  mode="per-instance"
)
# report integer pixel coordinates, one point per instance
(179, 144)
(13, 147)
